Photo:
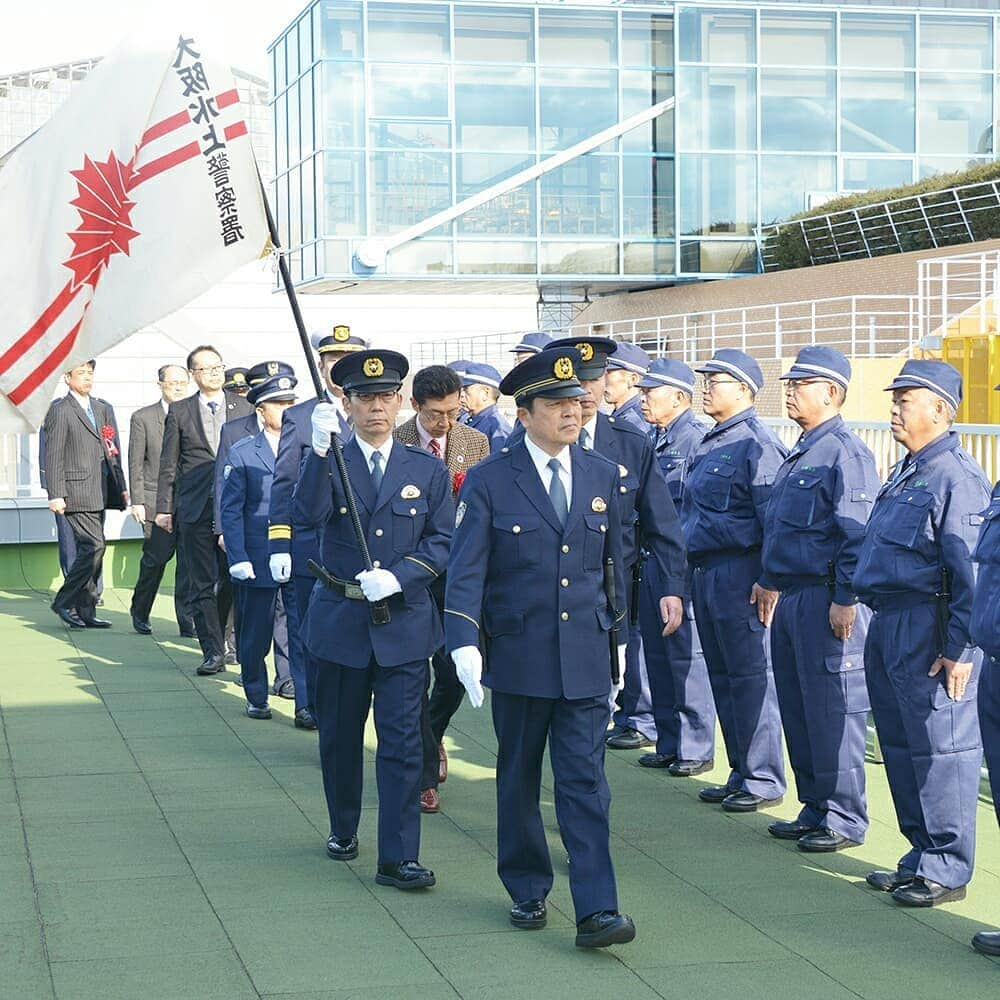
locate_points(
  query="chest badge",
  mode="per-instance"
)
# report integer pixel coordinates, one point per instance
(409, 492)
(598, 506)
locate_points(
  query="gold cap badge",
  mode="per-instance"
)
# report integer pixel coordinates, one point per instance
(272, 368)
(373, 367)
(341, 334)
(586, 351)
(563, 368)
(598, 506)
(239, 378)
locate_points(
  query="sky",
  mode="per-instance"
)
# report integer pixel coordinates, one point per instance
(42, 32)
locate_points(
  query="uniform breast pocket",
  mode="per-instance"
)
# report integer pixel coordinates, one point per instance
(903, 523)
(988, 545)
(593, 540)
(715, 486)
(516, 539)
(408, 517)
(799, 500)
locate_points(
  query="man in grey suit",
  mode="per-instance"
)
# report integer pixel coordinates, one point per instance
(184, 492)
(83, 477)
(145, 443)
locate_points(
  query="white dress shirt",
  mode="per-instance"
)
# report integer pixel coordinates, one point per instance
(542, 459)
(272, 440)
(367, 450)
(425, 440)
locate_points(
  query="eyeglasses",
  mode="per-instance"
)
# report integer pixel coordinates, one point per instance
(794, 384)
(176, 383)
(439, 416)
(709, 384)
(370, 397)
(212, 370)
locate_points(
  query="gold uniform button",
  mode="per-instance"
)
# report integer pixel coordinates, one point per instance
(343, 510)
(565, 616)
(564, 582)
(379, 532)
(565, 548)
(376, 564)
(516, 529)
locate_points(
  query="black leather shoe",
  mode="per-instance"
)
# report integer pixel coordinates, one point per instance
(212, 664)
(656, 760)
(529, 914)
(405, 875)
(342, 848)
(141, 626)
(286, 690)
(304, 719)
(69, 617)
(95, 622)
(890, 881)
(790, 829)
(924, 892)
(716, 794)
(689, 768)
(253, 712)
(187, 632)
(987, 942)
(602, 929)
(746, 802)
(826, 841)
(627, 739)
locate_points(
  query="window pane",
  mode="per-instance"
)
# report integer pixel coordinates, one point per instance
(294, 146)
(407, 31)
(640, 90)
(410, 135)
(647, 40)
(956, 113)
(281, 208)
(786, 183)
(343, 104)
(788, 39)
(878, 112)
(410, 91)
(342, 32)
(716, 36)
(494, 35)
(280, 76)
(344, 194)
(718, 194)
(581, 198)
(280, 134)
(866, 175)
(873, 40)
(308, 204)
(421, 257)
(716, 257)
(576, 103)
(306, 113)
(497, 258)
(798, 109)
(305, 43)
(294, 208)
(577, 38)
(931, 166)
(647, 196)
(717, 108)
(949, 43)
(293, 52)
(484, 122)
(650, 258)
(512, 213)
(579, 258)
(408, 187)
(335, 257)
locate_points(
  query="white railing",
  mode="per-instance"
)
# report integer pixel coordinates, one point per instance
(953, 287)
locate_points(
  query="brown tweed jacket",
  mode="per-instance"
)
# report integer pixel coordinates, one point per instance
(466, 445)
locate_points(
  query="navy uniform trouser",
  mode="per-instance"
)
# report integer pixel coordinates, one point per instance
(737, 652)
(263, 624)
(343, 698)
(824, 705)
(683, 707)
(636, 700)
(302, 662)
(989, 723)
(575, 732)
(931, 744)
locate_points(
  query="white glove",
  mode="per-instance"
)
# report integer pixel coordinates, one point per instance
(324, 423)
(281, 567)
(378, 584)
(242, 571)
(616, 689)
(469, 668)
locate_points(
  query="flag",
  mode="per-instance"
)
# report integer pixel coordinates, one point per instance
(140, 193)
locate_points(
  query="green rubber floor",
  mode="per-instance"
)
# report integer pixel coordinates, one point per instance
(156, 843)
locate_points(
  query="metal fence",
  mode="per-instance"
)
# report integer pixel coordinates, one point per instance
(953, 290)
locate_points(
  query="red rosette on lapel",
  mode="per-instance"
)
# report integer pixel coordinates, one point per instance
(108, 437)
(456, 483)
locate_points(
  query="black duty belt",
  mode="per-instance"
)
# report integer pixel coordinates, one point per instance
(352, 591)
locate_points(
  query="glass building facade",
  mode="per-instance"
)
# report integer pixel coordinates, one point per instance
(388, 112)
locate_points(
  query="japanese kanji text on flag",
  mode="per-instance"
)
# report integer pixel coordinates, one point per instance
(139, 194)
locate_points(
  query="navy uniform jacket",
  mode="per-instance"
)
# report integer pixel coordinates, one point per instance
(407, 535)
(491, 422)
(728, 486)
(925, 520)
(535, 589)
(246, 495)
(819, 507)
(232, 431)
(631, 413)
(674, 446)
(985, 623)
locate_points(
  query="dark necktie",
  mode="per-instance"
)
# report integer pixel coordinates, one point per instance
(557, 492)
(377, 472)
(91, 417)
(213, 408)
(434, 448)
(584, 439)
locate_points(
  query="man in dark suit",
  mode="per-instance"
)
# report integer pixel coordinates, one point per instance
(83, 477)
(145, 442)
(184, 491)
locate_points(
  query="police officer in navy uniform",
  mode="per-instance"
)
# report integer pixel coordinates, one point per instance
(915, 572)
(683, 709)
(293, 543)
(813, 530)
(237, 381)
(245, 497)
(626, 367)
(404, 502)
(728, 486)
(529, 344)
(480, 392)
(458, 366)
(534, 528)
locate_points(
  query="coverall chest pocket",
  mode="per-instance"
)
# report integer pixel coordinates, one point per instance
(408, 517)
(516, 539)
(800, 499)
(593, 540)
(716, 486)
(903, 523)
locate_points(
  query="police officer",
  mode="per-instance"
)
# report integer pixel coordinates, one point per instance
(534, 527)
(246, 494)
(237, 381)
(293, 543)
(813, 529)
(403, 497)
(683, 709)
(626, 367)
(915, 572)
(458, 366)
(480, 392)
(728, 485)
(530, 343)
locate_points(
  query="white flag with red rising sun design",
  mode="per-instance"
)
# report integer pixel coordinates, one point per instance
(138, 195)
